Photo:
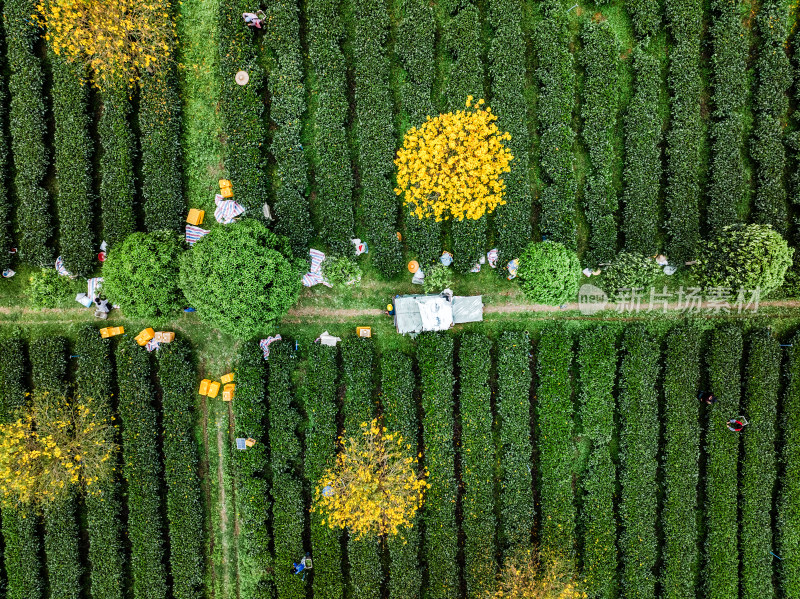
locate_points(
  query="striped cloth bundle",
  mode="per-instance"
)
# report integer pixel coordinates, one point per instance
(60, 269)
(195, 234)
(94, 287)
(265, 343)
(226, 210)
(314, 275)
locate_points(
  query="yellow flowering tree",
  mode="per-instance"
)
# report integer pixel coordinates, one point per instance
(52, 448)
(375, 487)
(452, 165)
(527, 575)
(117, 39)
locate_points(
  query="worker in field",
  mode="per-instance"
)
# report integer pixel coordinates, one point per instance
(304, 566)
(707, 398)
(252, 19)
(737, 424)
(102, 309)
(390, 309)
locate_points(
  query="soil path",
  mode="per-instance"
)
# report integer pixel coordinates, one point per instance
(223, 507)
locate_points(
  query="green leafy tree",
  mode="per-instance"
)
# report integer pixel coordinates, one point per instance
(341, 271)
(240, 278)
(549, 273)
(749, 256)
(48, 289)
(630, 271)
(437, 279)
(141, 274)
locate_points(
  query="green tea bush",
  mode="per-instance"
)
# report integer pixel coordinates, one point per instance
(758, 472)
(681, 463)
(630, 271)
(341, 271)
(320, 454)
(746, 256)
(646, 16)
(141, 274)
(435, 359)
(549, 273)
(788, 519)
(48, 289)
(6, 207)
(642, 171)
(437, 279)
(240, 278)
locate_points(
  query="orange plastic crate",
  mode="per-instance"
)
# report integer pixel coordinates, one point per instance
(213, 389)
(195, 216)
(106, 333)
(364, 331)
(117, 331)
(204, 387)
(228, 378)
(227, 392)
(144, 336)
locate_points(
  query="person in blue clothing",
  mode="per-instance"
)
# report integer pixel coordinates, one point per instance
(304, 566)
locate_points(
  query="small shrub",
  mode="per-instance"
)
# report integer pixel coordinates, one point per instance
(141, 274)
(549, 273)
(48, 289)
(437, 279)
(341, 271)
(749, 256)
(630, 271)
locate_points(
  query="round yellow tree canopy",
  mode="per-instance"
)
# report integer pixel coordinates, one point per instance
(452, 166)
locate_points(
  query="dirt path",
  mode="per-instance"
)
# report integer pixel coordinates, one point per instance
(223, 507)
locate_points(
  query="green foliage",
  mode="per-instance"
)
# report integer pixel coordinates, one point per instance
(285, 459)
(746, 256)
(599, 112)
(679, 577)
(759, 469)
(160, 138)
(549, 273)
(597, 361)
(722, 449)
(286, 109)
(642, 173)
(645, 15)
(556, 78)
(95, 380)
(23, 560)
(72, 157)
(788, 520)
(341, 271)
(142, 471)
(240, 278)
(556, 443)
(28, 129)
(6, 205)
(48, 289)
(685, 136)
(437, 279)
(514, 449)
(177, 378)
(13, 386)
(242, 106)
(141, 274)
(435, 359)
(117, 191)
(477, 463)
(469, 241)
(630, 271)
(251, 470)
(320, 454)
(333, 172)
(400, 415)
(507, 70)
(639, 436)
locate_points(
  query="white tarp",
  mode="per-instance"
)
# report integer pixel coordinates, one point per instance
(436, 313)
(417, 313)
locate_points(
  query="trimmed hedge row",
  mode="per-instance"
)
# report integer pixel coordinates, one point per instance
(759, 469)
(378, 203)
(507, 70)
(177, 377)
(320, 454)
(729, 182)
(160, 138)
(400, 415)
(639, 436)
(6, 205)
(288, 507)
(252, 471)
(514, 449)
(48, 357)
(645, 15)
(722, 450)
(117, 193)
(771, 108)
(556, 78)
(435, 359)
(597, 361)
(414, 36)
(288, 104)
(94, 380)
(72, 157)
(599, 113)
(13, 368)
(142, 471)
(477, 463)
(679, 579)
(28, 129)
(242, 107)
(789, 499)
(333, 206)
(555, 441)
(642, 172)
(358, 355)
(685, 136)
